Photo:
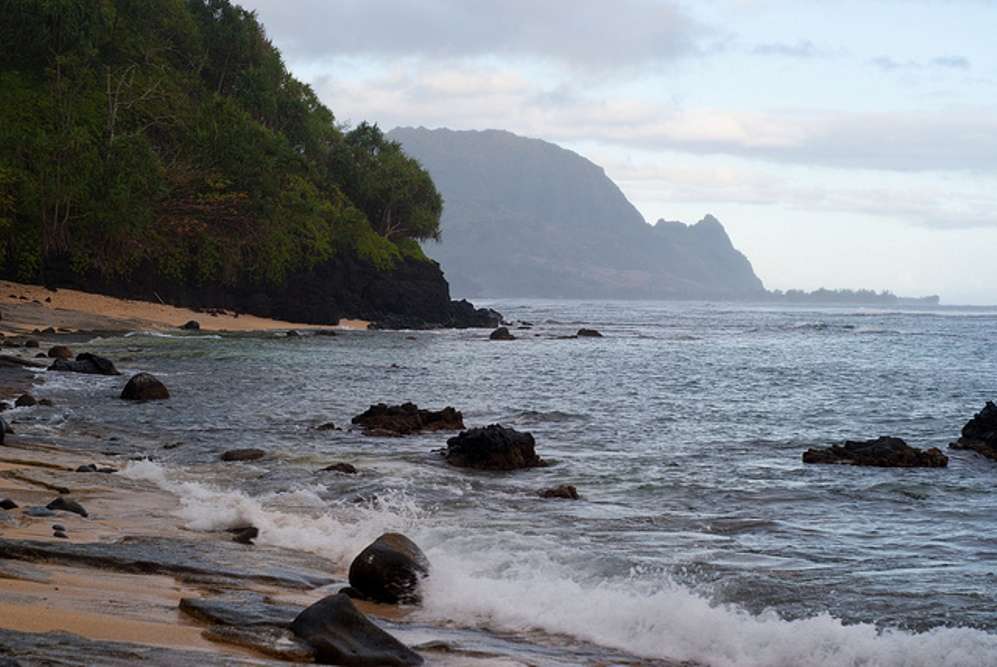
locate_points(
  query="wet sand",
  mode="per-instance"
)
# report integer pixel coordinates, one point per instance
(108, 605)
(25, 308)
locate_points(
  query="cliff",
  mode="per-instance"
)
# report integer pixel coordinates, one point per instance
(524, 217)
(161, 149)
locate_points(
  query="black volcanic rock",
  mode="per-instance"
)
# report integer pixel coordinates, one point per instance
(247, 454)
(493, 447)
(980, 433)
(502, 333)
(407, 418)
(145, 387)
(67, 505)
(883, 452)
(86, 363)
(411, 295)
(526, 218)
(389, 570)
(60, 352)
(566, 491)
(341, 635)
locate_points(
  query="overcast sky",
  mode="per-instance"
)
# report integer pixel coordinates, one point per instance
(842, 144)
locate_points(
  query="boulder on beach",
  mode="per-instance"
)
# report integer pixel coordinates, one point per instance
(245, 534)
(86, 363)
(407, 418)
(340, 635)
(566, 491)
(31, 342)
(192, 325)
(588, 333)
(345, 468)
(883, 452)
(502, 333)
(493, 447)
(144, 387)
(248, 454)
(60, 352)
(389, 570)
(7, 504)
(25, 401)
(64, 504)
(980, 433)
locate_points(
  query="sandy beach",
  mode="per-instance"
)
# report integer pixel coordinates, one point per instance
(25, 308)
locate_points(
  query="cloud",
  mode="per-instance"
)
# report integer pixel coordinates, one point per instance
(928, 206)
(590, 34)
(480, 97)
(947, 62)
(802, 49)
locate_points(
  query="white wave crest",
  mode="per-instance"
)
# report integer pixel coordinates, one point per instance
(510, 582)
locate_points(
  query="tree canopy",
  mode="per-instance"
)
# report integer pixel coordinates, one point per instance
(170, 134)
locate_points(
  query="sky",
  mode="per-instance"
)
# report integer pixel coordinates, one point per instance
(842, 144)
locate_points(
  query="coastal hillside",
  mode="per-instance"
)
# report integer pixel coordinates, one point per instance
(524, 217)
(161, 150)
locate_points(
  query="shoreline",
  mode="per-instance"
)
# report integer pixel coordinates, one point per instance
(30, 309)
(102, 600)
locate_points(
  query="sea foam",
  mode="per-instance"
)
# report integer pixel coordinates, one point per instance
(504, 586)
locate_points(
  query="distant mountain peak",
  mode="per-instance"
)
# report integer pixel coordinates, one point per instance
(527, 218)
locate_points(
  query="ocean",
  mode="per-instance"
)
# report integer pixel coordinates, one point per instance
(700, 534)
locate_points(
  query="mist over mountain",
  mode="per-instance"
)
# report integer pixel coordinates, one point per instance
(527, 218)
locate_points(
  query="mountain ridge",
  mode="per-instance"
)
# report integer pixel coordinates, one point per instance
(524, 217)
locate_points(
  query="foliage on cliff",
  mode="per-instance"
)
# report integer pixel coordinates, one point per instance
(168, 135)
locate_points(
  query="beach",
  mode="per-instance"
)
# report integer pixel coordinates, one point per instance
(27, 308)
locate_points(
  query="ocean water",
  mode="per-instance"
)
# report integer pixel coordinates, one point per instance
(701, 535)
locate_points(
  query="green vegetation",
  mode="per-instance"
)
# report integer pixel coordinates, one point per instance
(168, 135)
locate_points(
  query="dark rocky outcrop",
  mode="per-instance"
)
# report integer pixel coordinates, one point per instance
(242, 608)
(883, 452)
(65, 649)
(502, 333)
(86, 363)
(566, 491)
(92, 467)
(341, 635)
(67, 505)
(222, 562)
(192, 325)
(25, 401)
(38, 512)
(145, 387)
(7, 504)
(60, 352)
(328, 426)
(345, 468)
(247, 454)
(493, 447)
(31, 342)
(250, 620)
(588, 333)
(411, 295)
(980, 433)
(407, 418)
(245, 534)
(389, 570)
